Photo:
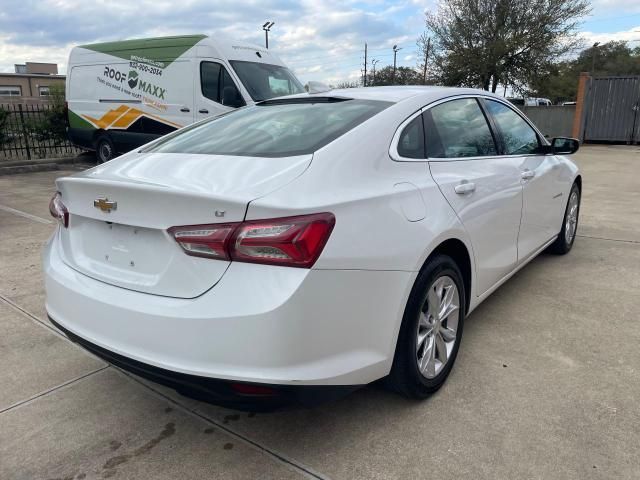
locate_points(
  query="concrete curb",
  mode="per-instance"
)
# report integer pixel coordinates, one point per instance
(40, 167)
(43, 165)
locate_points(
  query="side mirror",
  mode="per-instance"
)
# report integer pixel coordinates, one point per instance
(564, 145)
(231, 97)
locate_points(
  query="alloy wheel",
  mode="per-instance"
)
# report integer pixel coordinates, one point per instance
(437, 326)
(571, 222)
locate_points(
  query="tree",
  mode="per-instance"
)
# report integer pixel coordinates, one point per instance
(4, 117)
(423, 43)
(52, 124)
(348, 84)
(404, 76)
(481, 43)
(559, 82)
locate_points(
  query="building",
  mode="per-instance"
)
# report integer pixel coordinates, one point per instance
(30, 84)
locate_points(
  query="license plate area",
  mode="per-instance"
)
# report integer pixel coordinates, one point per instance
(137, 258)
(122, 251)
(125, 245)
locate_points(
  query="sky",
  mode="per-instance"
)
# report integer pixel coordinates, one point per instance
(319, 40)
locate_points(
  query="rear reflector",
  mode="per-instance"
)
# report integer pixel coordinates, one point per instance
(290, 241)
(58, 210)
(250, 389)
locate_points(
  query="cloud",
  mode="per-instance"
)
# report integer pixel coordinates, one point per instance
(631, 35)
(614, 8)
(319, 40)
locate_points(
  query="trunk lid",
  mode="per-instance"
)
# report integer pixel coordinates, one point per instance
(129, 246)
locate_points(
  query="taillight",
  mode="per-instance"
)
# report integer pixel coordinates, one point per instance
(209, 241)
(293, 241)
(290, 241)
(58, 210)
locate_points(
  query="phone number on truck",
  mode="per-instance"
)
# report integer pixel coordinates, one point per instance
(143, 67)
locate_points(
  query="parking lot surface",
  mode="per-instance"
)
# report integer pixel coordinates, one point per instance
(546, 385)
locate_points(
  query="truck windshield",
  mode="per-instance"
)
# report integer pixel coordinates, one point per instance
(264, 81)
(277, 128)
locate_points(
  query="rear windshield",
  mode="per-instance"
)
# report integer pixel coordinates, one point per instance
(264, 81)
(277, 129)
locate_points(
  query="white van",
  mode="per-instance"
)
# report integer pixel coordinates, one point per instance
(121, 95)
(531, 102)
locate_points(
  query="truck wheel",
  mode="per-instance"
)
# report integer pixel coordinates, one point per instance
(105, 150)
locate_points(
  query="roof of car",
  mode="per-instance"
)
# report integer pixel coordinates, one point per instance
(395, 94)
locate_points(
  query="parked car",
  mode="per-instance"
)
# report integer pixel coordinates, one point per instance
(531, 102)
(121, 95)
(300, 248)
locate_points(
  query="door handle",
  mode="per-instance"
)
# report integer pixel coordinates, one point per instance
(528, 174)
(185, 110)
(464, 188)
(203, 110)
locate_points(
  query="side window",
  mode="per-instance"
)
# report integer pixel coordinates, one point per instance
(411, 142)
(229, 93)
(519, 138)
(217, 85)
(457, 129)
(210, 80)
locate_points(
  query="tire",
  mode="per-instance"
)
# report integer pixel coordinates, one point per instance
(567, 235)
(410, 375)
(105, 150)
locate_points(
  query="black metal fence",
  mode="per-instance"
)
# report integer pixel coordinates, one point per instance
(33, 131)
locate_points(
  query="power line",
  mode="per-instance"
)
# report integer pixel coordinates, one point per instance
(319, 60)
(356, 52)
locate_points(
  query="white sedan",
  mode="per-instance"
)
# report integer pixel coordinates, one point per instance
(297, 249)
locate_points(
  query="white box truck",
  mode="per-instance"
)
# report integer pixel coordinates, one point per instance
(123, 94)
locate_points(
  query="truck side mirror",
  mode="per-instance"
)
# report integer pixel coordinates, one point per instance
(565, 145)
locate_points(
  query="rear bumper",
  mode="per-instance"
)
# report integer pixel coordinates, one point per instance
(259, 324)
(218, 392)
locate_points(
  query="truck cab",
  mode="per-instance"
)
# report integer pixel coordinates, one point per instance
(121, 95)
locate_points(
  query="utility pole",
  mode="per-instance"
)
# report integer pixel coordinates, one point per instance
(266, 27)
(373, 62)
(364, 79)
(426, 59)
(593, 58)
(395, 52)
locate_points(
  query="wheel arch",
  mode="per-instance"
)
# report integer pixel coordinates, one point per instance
(97, 134)
(578, 182)
(460, 254)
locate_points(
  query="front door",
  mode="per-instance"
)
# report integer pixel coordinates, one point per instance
(543, 189)
(215, 90)
(482, 187)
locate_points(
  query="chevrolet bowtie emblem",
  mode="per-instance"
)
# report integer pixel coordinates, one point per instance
(105, 204)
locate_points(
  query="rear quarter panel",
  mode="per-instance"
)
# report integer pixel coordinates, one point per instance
(355, 179)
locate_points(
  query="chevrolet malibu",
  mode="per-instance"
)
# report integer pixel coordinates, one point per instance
(297, 249)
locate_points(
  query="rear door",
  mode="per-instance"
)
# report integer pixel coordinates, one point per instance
(482, 187)
(543, 187)
(215, 89)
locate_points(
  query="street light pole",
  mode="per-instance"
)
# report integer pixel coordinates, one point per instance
(266, 27)
(395, 52)
(373, 62)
